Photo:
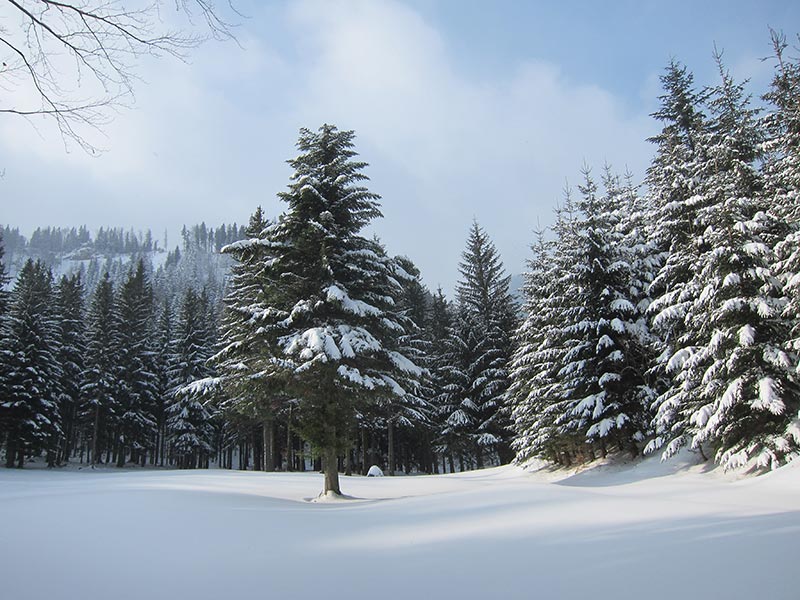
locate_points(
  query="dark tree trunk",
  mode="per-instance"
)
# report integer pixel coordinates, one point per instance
(96, 437)
(331, 472)
(269, 445)
(364, 466)
(11, 450)
(289, 446)
(348, 457)
(703, 454)
(391, 448)
(121, 455)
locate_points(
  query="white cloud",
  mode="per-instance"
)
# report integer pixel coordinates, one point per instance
(452, 148)
(208, 140)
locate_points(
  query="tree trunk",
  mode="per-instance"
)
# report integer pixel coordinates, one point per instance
(348, 457)
(289, 448)
(331, 471)
(391, 448)
(96, 437)
(364, 466)
(269, 445)
(11, 450)
(703, 454)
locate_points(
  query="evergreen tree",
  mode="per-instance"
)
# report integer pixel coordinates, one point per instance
(188, 421)
(460, 411)
(29, 367)
(604, 370)
(737, 392)
(673, 183)
(532, 366)
(329, 293)
(165, 360)
(246, 396)
(411, 410)
(137, 372)
(101, 387)
(487, 325)
(72, 355)
(542, 411)
(782, 182)
(438, 327)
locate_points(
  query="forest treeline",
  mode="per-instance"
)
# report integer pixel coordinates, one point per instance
(654, 317)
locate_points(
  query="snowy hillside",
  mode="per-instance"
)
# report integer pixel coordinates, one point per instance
(649, 531)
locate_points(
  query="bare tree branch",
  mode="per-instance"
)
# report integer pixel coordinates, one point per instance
(75, 61)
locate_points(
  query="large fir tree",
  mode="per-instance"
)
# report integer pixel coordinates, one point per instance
(100, 406)
(71, 357)
(485, 327)
(188, 420)
(29, 368)
(331, 339)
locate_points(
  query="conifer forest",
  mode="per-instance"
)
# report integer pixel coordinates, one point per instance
(660, 311)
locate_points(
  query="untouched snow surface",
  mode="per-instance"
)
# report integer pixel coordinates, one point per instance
(646, 531)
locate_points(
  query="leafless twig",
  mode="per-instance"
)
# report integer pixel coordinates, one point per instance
(75, 61)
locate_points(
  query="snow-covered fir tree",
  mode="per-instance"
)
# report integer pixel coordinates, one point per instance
(29, 368)
(164, 351)
(188, 420)
(409, 412)
(437, 329)
(71, 357)
(531, 367)
(737, 392)
(672, 181)
(480, 351)
(136, 370)
(542, 413)
(782, 181)
(327, 313)
(458, 410)
(101, 388)
(596, 377)
(244, 395)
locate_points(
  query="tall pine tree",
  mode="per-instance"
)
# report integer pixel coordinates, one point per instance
(29, 369)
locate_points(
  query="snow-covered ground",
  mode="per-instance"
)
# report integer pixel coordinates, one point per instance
(646, 531)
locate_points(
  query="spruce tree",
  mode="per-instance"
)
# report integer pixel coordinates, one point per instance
(137, 372)
(781, 192)
(437, 330)
(542, 410)
(29, 369)
(101, 386)
(242, 391)
(188, 420)
(72, 356)
(457, 403)
(673, 182)
(738, 393)
(488, 321)
(531, 365)
(327, 323)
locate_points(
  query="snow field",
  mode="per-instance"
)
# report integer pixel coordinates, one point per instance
(647, 531)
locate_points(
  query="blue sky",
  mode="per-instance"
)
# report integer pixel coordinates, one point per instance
(464, 109)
